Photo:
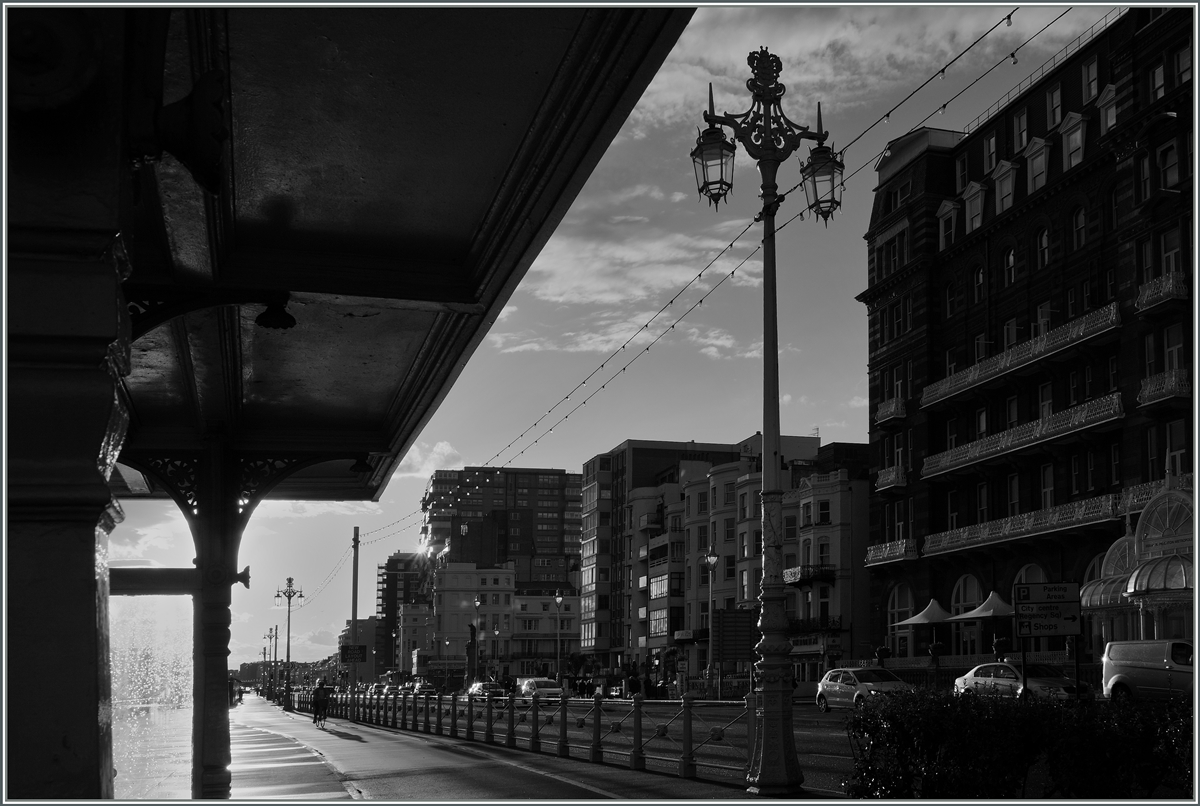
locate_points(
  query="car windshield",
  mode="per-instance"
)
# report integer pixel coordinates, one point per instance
(876, 676)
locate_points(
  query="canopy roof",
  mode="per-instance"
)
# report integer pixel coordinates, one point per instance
(933, 613)
(992, 606)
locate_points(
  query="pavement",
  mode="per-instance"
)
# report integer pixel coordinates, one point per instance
(276, 756)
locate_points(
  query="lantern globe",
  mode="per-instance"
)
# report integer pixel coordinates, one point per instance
(713, 159)
(823, 181)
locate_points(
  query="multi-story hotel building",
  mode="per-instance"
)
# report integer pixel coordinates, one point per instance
(1031, 339)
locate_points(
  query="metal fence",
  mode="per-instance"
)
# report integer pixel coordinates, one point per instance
(689, 736)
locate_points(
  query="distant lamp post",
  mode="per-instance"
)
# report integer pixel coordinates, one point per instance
(712, 559)
(288, 593)
(496, 652)
(474, 660)
(770, 138)
(558, 600)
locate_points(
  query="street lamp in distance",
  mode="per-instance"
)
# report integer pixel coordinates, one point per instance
(712, 559)
(558, 600)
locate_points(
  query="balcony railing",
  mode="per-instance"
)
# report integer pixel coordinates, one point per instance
(804, 626)
(1064, 516)
(1134, 499)
(649, 519)
(809, 573)
(1025, 353)
(1161, 289)
(1073, 419)
(890, 409)
(890, 477)
(1172, 383)
(890, 552)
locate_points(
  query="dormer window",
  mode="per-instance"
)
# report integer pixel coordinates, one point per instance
(1073, 130)
(948, 219)
(973, 196)
(1003, 177)
(1107, 104)
(1035, 158)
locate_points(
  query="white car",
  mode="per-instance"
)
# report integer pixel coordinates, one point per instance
(1004, 680)
(544, 687)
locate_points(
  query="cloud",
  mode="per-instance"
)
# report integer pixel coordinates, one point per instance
(785, 400)
(168, 533)
(313, 509)
(858, 402)
(421, 460)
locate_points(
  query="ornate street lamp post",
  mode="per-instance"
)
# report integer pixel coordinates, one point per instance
(558, 600)
(288, 593)
(712, 560)
(770, 138)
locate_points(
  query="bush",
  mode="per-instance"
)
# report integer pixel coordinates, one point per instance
(934, 745)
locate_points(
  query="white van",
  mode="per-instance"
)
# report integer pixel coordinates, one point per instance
(1152, 670)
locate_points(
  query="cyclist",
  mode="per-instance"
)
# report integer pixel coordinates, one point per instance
(320, 703)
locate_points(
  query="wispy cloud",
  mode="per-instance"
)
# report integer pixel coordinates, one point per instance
(313, 509)
(422, 459)
(169, 532)
(858, 402)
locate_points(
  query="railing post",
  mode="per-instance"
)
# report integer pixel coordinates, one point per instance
(454, 715)
(511, 739)
(751, 727)
(470, 718)
(637, 761)
(596, 753)
(687, 762)
(404, 709)
(564, 750)
(535, 741)
(488, 735)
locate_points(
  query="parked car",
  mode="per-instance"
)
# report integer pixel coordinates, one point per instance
(422, 688)
(850, 688)
(544, 687)
(1152, 670)
(1003, 679)
(391, 690)
(488, 688)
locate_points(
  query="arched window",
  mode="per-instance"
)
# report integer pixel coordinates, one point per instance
(1094, 569)
(900, 608)
(1010, 267)
(964, 635)
(1043, 248)
(1079, 227)
(980, 284)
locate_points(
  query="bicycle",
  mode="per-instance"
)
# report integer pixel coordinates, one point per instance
(320, 712)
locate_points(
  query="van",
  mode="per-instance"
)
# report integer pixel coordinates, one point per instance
(544, 687)
(1151, 670)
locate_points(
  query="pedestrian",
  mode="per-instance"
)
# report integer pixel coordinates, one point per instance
(320, 702)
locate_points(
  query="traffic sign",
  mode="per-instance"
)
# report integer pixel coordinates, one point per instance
(1047, 608)
(354, 653)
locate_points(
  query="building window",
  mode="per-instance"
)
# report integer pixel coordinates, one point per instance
(1042, 248)
(1143, 178)
(1014, 495)
(1010, 412)
(1158, 87)
(1169, 243)
(961, 173)
(1054, 107)
(1073, 147)
(1114, 463)
(1075, 474)
(1020, 130)
(981, 500)
(950, 364)
(823, 512)
(974, 199)
(742, 499)
(1070, 303)
(1010, 333)
(1079, 227)
(729, 528)
(900, 608)
(1177, 447)
(1045, 400)
(965, 635)
(730, 567)
(980, 347)
(1035, 157)
(1004, 187)
(1154, 470)
(1183, 65)
(1168, 166)
(948, 220)
(980, 284)
(1091, 83)
(951, 432)
(1041, 322)
(1010, 267)
(981, 424)
(729, 493)
(1108, 109)
(1047, 486)
(989, 152)
(951, 300)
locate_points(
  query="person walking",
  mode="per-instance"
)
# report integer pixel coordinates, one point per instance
(320, 702)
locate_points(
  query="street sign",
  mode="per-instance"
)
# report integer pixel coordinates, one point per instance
(1047, 608)
(354, 653)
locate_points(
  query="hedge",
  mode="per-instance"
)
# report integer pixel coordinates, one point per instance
(928, 744)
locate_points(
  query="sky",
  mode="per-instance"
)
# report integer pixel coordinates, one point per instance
(633, 241)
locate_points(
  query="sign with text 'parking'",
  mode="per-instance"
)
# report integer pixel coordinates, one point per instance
(1047, 608)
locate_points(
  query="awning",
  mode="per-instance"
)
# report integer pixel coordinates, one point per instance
(1172, 573)
(993, 605)
(1105, 592)
(933, 613)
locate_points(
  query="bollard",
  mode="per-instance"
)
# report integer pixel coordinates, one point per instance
(687, 761)
(637, 761)
(470, 718)
(511, 739)
(488, 736)
(454, 716)
(596, 752)
(535, 743)
(564, 750)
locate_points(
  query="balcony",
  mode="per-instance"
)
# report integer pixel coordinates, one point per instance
(890, 477)
(807, 574)
(1024, 354)
(890, 410)
(1162, 289)
(1134, 499)
(890, 552)
(1064, 516)
(649, 520)
(1076, 418)
(1163, 386)
(807, 626)
(691, 636)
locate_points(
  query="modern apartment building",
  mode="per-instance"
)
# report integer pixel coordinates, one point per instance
(654, 512)
(1031, 338)
(397, 585)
